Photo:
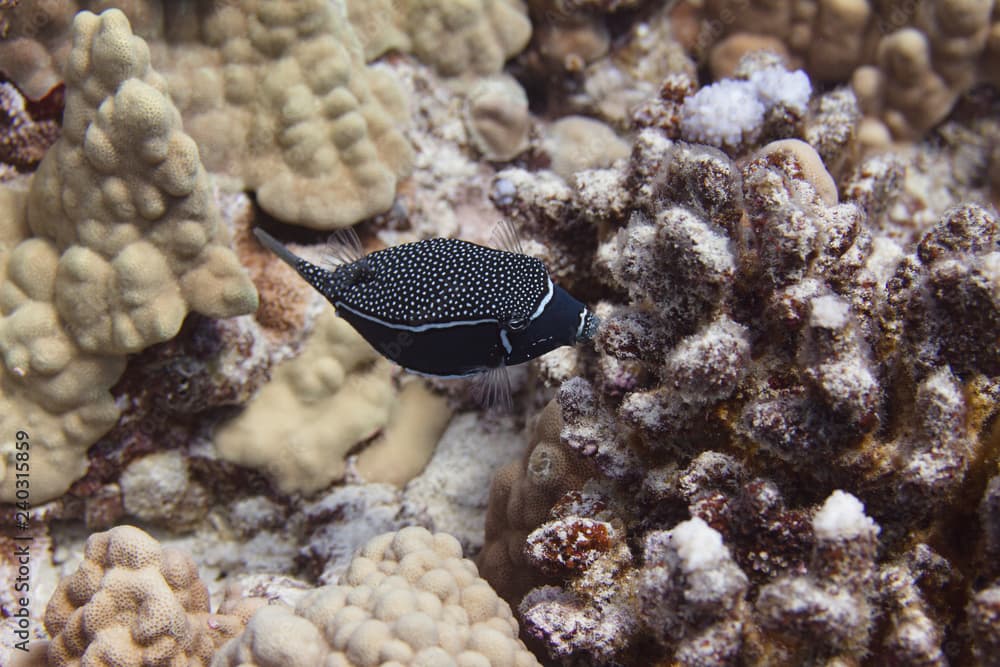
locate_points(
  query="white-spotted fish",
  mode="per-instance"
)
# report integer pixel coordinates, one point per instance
(446, 307)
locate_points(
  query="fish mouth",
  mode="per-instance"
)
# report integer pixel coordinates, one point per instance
(591, 323)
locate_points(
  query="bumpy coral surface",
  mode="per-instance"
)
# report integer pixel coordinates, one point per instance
(408, 598)
(133, 602)
(334, 396)
(126, 240)
(774, 335)
(908, 62)
(276, 94)
(522, 494)
(780, 449)
(124, 197)
(456, 38)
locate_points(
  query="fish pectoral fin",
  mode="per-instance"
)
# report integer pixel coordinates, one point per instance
(491, 389)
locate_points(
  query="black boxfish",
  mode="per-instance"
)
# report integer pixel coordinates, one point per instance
(446, 307)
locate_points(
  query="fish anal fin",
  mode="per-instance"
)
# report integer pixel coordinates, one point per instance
(505, 237)
(492, 390)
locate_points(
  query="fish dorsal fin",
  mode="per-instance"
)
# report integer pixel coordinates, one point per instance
(505, 237)
(491, 389)
(343, 247)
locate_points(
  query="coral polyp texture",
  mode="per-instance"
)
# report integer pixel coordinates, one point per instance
(332, 398)
(456, 38)
(117, 239)
(132, 601)
(407, 598)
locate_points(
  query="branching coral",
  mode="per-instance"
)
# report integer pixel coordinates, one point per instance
(691, 593)
(772, 333)
(23, 137)
(827, 610)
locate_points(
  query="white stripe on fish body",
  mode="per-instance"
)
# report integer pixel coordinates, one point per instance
(340, 304)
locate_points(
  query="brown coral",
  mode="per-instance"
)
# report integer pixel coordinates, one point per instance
(521, 496)
(24, 136)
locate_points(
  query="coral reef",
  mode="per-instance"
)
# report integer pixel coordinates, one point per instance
(318, 407)
(908, 63)
(780, 448)
(119, 239)
(407, 598)
(775, 335)
(133, 602)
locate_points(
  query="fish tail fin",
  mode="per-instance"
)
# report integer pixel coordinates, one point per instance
(275, 246)
(328, 283)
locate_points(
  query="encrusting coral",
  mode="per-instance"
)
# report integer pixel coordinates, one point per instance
(408, 598)
(117, 239)
(133, 602)
(321, 405)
